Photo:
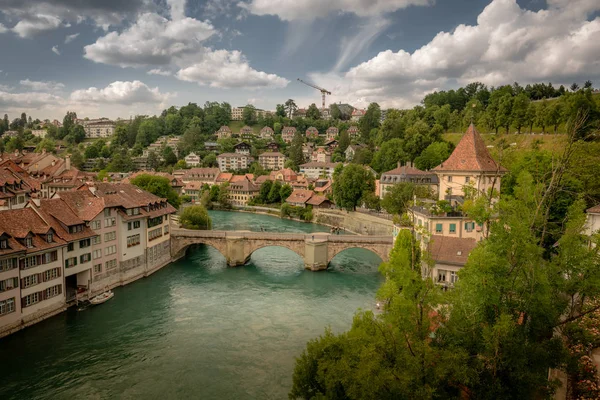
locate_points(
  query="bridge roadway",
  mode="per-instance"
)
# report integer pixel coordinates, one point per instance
(317, 249)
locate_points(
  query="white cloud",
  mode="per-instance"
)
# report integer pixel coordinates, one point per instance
(70, 38)
(177, 44)
(229, 69)
(35, 16)
(29, 100)
(508, 44)
(42, 86)
(55, 50)
(152, 40)
(291, 10)
(3, 28)
(158, 71)
(119, 92)
(35, 24)
(361, 40)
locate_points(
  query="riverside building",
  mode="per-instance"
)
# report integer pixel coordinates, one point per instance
(57, 251)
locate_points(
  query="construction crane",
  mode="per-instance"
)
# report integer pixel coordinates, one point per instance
(323, 91)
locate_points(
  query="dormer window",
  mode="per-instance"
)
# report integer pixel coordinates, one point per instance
(28, 242)
(3, 244)
(50, 237)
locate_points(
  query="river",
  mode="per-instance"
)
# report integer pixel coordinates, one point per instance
(196, 328)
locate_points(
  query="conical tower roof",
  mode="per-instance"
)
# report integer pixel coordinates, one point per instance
(471, 154)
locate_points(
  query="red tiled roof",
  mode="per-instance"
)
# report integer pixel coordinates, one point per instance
(470, 154)
(83, 203)
(317, 200)
(55, 212)
(224, 177)
(594, 210)
(451, 250)
(299, 196)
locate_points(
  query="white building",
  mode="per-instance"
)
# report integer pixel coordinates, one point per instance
(41, 133)
(272, 161)
(316, 170)
(99, 129)
(233, 161)
(192, 160)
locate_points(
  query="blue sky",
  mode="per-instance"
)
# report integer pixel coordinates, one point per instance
(116, 59)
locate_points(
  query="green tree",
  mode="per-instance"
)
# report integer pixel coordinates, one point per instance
(285, 192)
(369, 121)
(169, 156)
(290, 108)
(153, 160)
(541, 114)
(173, 124)
(280, 110)
(249, 115)
(296, 155)
(223, 196)
(313, 112)
(388, 156)
(519, 111)
(274, 193)
(195, 217)
(210, 160)
(77, 158)
(49, 145)
(349, 184)
(504, 114)
(433, 156)
(263, 192)
(398, 198)
(159, 186)
(335, 111)
(344, 141)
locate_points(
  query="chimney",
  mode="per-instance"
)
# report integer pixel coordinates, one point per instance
(53, 163)
(68, 163)
(399, 164)
(43, 151)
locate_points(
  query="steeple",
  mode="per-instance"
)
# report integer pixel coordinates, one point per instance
(470, 154)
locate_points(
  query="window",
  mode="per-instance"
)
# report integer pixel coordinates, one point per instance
(85, 258)
(51, 274)
(75, 228)
(70, 262)
(96, 240)
(98, 268)
(438, 228)
(109, 236)
(469, 226)
(108, 222)
(442, 275)
(452, 228)
(107, 212)
(133, 225)
(71, 246)
(84, 243)
(467, 179)
(7, 306)
(29, 242)
(8, 264)
(155, 233)
(96, 225)
(50, 237)
(166, 229)
(111, 264)
(110, 250)
(8, 284)
(133, 240)
(97, 253)
(30, 281)
(449, 179)
(155, 221)
(4, 244)
(52, 291)
(453, 276)
(29, 262)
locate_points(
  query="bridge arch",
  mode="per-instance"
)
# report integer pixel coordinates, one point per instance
(252, 247)
(336, 248)
(179, 246)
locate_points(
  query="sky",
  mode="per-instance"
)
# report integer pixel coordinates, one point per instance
(117, 58)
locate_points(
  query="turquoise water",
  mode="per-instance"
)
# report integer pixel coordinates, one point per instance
(195, 329)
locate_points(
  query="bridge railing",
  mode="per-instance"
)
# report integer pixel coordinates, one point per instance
(282, 236)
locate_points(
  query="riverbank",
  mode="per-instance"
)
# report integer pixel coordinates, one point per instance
(350, 222)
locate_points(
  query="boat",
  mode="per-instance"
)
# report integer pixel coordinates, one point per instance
(102, 298)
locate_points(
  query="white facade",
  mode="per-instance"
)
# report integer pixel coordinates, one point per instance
(41, 133)
(233, 161)
(192, 160)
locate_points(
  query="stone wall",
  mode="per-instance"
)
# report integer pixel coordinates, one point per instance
(354, 222)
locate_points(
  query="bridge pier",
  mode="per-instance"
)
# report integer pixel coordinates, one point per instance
(315, 255)
(236, 251)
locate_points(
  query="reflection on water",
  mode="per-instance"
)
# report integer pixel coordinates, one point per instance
(195, 329)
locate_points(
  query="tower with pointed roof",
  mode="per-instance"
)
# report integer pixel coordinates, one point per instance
(469, 165)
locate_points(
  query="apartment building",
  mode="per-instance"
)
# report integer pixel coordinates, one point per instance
(316, 170)
(224, 132)
(267, 133)
(41, 133)
(241, 191)
(202, 175)
(312, 133)
(99, 129)
(353, 132)
(246, 133)
(320, 154)
(357, 114)
(242, 148)
(407, 174)
(331, 133)
(15, 186)
(271, 160)
(31, 270)
(288, 133)
(233, 161)
(192, 160)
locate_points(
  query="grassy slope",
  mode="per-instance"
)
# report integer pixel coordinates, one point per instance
(237, 125)
(549, 142)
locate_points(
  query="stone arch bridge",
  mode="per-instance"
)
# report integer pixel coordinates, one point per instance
(316, 249)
